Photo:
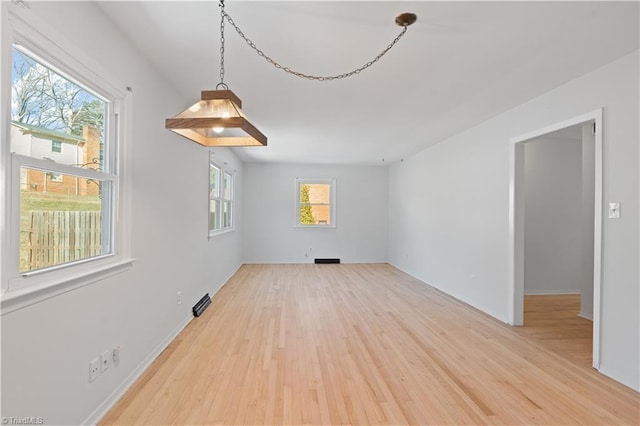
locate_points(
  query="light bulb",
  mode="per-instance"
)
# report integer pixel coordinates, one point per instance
(218, 129)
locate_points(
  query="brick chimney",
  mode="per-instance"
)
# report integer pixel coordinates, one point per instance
(91, 155)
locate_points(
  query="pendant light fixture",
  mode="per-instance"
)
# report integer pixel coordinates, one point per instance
(217, 119)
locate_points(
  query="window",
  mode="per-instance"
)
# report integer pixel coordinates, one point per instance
(315, 203)
(56, 177)
(221, 198)
(66, 222)
(227, 201)
(70, 222)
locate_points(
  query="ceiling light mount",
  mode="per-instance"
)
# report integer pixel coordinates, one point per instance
(406, 19)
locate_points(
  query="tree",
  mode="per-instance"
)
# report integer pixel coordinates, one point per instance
(306, 213)
(41, 97)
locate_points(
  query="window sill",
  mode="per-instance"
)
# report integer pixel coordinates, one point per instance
(14, 300)
(218, 234)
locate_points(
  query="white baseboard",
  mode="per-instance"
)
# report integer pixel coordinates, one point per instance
(310, 260)
(115, 396)
(586, 315)
(550, 292)
(225, 281)
(437, 287)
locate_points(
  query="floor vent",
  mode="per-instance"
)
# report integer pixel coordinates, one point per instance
(202, 304)
(327, 260)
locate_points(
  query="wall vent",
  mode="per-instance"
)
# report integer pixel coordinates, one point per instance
(202, 304)
(326, 260)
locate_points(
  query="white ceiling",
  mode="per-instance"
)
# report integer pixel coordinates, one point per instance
(460, 64)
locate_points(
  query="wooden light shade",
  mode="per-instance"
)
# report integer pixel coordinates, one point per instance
(217, 120)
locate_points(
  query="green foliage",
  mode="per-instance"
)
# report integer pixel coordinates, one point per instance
(90, 113)
(306, 213)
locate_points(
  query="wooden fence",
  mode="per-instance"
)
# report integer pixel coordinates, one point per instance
(57, 237)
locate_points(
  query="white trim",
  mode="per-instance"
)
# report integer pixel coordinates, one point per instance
(119, 391)
(221, 233)
(60, 54)
(18, 289)
(51, 166)
(27, 296)
(516, 223)
(6, 31)
(586, 315)
(223, 169)
(332, 203)
(226, 279)
(552, 292)
(103, 409)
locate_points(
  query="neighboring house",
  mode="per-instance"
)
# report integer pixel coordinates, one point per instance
(319, 198)
(63, 148)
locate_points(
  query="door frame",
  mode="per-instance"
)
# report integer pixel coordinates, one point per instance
(516, 222)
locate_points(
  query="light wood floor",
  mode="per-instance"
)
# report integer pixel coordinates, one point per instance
(554, 322)
(361, 344)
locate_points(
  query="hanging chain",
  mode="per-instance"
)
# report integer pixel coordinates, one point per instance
(287, 69)
(222, 14)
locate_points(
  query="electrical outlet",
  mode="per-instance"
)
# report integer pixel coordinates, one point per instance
(94, 369)
(116, 356)
(105, 360)
(179, 298)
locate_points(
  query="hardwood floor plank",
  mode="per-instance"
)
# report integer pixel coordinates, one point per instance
(368, 344)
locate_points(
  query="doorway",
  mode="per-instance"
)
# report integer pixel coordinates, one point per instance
(538, 244)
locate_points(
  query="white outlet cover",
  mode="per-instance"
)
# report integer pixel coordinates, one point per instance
(105, 360)
(94, 369)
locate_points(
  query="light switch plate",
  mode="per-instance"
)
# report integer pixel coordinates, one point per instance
(614, 210)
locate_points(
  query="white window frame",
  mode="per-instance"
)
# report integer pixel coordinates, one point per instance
(332, 202)
(228, 197)
(20, 289)
(221, 197)
(56, 143)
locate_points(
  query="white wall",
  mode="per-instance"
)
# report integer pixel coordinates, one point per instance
(553, 216)
(270, 235)
(448, 211)
(46, 347)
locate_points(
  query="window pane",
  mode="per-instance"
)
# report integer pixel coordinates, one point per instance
(214, 215)
(321, 214)
(56, 146)
(214, 181)
(54, 118)
(319, 193)
(315, 214)
(228, 183)
(227, 214)
(61, 219)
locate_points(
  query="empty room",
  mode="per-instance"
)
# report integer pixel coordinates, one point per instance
(320, 212)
